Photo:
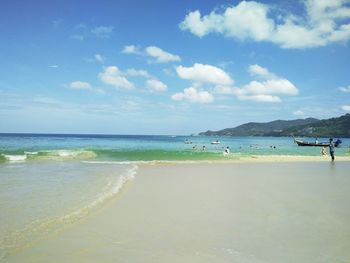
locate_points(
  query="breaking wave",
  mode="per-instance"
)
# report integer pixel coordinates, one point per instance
(123, 156)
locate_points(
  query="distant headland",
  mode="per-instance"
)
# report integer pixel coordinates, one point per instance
(310, 127)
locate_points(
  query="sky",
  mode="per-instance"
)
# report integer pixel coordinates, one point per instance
(170, 67)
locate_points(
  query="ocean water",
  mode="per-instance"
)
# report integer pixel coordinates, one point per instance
(48, 182)
(28, 147)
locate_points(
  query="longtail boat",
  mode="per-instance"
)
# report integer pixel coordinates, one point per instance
(304, 143)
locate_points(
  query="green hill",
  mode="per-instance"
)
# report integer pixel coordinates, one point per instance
(334, 127)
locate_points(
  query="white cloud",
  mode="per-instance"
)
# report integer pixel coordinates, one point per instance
(299, 113)
(53, 66)
(324, 23)
(204, 73)
(260, 98)
(156, 85)
(257, 70)
(263, 90)
(102, 31)
(100, 58)
(346, 108)
(193, 95)
(80, 85)
(131, 49)
(137, 73)
(219, 89)
(160, 55)
(246, 20)
(345, 89)
(114, 77)
(271, 86)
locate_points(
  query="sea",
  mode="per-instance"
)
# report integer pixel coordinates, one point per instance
(49, 181)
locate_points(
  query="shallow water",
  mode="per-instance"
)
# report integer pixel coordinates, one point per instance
(37, 198)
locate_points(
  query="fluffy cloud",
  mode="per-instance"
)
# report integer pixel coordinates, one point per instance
(271, 86)
(204, 74)
(80, 85)
(299, 113)
(158, 54)
(226, 90)
(257, 70)
(114, 77)
(131, 49)
(193, 95)
(265, 90)
(323, 24)
(246, 20)
(345, 89)
(102, 31)
(259, 98)
(346, 108)
(100, 58)
(137, 73)
(156, 85)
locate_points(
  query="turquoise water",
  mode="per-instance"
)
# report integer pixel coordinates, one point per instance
(29, 147)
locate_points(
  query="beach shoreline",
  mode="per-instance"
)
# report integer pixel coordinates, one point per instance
(235, 159)
(290, 211)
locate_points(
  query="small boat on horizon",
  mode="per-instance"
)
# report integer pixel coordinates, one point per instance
(215, 142)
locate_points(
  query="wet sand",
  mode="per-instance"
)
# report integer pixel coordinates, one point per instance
(214, 212)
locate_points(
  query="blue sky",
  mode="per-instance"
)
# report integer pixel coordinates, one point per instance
(170, 67)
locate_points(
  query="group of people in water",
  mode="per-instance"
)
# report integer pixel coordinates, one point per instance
(323, 150)
(195, 148)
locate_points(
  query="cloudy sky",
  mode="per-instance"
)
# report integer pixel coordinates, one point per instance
(170, 67)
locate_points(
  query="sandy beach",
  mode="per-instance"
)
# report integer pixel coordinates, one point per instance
(221, 212)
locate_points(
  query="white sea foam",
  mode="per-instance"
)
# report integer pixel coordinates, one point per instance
(31, 153)
(15, 158)
(108, 162)
(67, 154)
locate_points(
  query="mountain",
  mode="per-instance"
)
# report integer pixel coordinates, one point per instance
(334, 127)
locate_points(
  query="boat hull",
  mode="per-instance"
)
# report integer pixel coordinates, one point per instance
(302, 143)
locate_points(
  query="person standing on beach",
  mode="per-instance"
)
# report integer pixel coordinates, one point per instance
(331, 148)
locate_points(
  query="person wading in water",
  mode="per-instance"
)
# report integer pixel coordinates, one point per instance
(331, 148)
